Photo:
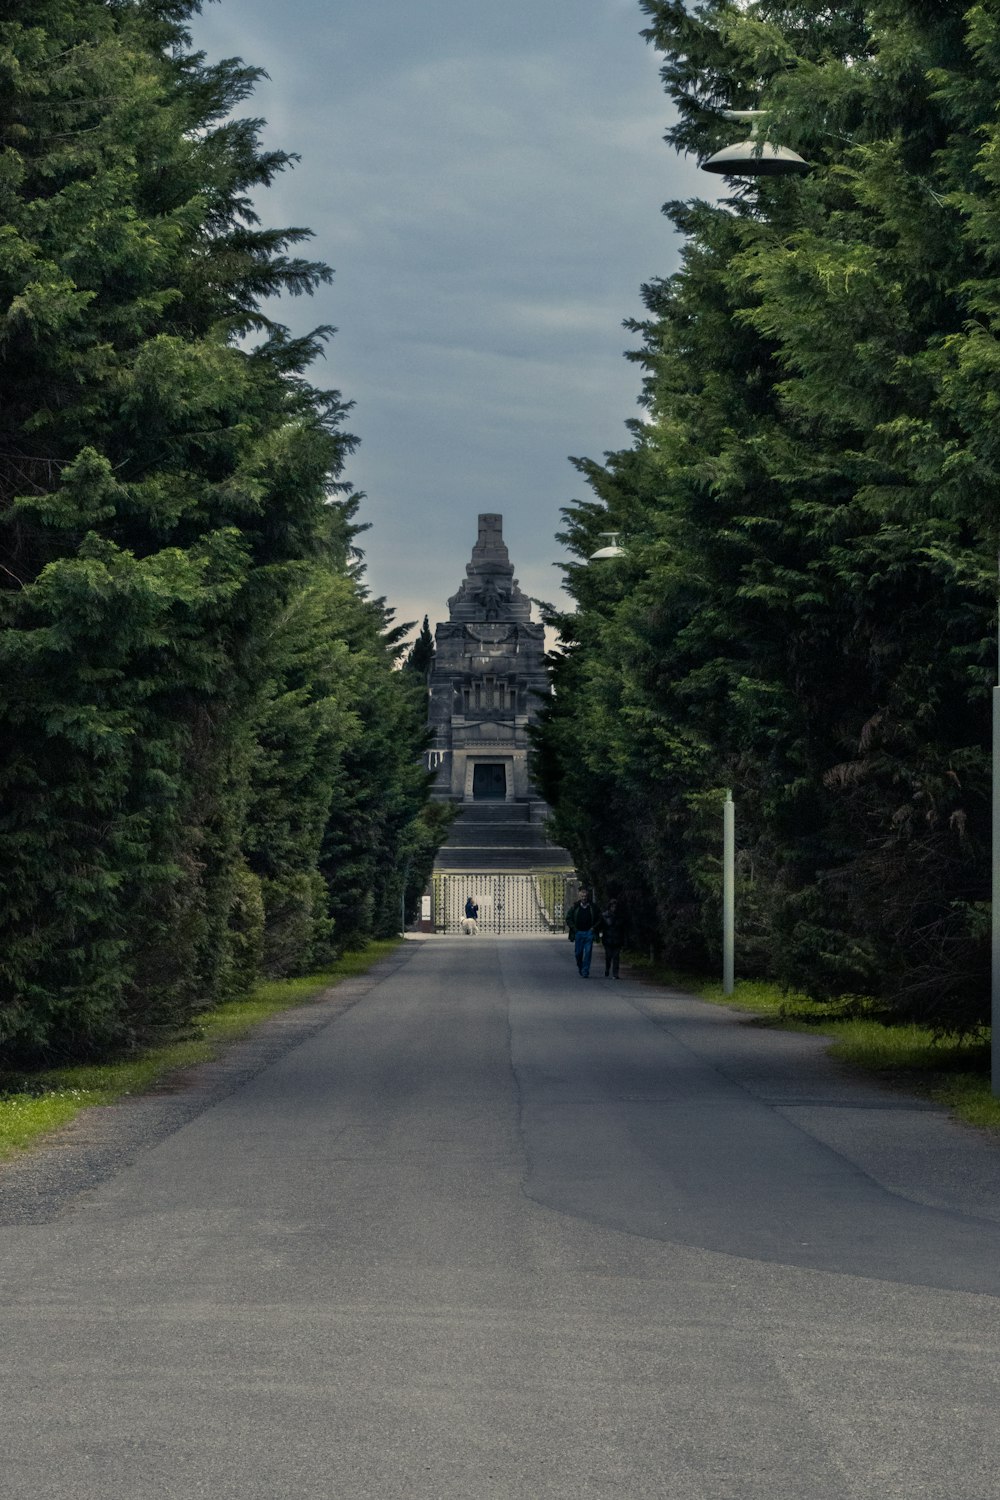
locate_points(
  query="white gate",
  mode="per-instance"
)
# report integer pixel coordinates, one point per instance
(508, 904)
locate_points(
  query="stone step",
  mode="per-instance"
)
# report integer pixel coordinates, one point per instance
(489, 861)
(494, 812)
(493, 835)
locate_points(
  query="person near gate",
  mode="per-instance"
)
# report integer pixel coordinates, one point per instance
(612, 936)
(470, 922)
(583, 920)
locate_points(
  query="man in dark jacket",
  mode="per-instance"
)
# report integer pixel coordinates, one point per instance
(613, 937)
(583, 920)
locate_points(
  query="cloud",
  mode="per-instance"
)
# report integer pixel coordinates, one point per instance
(487, 182)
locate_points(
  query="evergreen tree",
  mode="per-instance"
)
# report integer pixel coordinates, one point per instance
(380, 834)
(420, 657)
(805, 613)
(168, 503)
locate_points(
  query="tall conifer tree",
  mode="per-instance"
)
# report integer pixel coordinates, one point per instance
(168, 502)
(805, 613)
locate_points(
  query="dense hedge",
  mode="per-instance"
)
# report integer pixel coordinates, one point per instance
(209, 765)
(807, 609)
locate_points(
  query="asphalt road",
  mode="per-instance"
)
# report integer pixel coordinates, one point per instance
(477, 1229)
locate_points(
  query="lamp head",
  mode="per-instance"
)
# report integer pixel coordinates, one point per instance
(610, 549)
(754, 157)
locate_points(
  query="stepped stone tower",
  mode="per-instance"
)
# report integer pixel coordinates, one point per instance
(489, 666)
(485, 687)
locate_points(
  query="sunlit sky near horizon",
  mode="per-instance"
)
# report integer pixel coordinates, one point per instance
(486, 181)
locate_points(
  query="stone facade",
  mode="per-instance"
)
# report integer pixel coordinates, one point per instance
(488, 671)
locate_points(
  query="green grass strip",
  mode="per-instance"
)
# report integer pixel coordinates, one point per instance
(36, 1103)
(952, 1070)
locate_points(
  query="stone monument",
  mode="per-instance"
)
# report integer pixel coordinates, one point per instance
(487, 683)
(489, 670)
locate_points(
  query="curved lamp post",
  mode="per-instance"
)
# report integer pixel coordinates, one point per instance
(613, 548)
(754, 157)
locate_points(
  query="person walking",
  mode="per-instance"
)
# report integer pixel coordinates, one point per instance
(583, 920)
(613, 937)
(470, 922)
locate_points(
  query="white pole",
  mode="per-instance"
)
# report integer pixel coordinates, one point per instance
(728, 893)
(995, 891)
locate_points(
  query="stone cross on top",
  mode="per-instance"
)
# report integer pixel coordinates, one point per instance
(489, 591)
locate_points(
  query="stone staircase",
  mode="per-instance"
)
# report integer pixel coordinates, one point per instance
(493, 836)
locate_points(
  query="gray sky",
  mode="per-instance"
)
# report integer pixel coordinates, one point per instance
(486, 180)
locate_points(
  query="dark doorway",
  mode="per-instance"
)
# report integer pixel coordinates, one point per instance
(489, 783)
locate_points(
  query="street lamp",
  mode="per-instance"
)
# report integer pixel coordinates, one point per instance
(759, 158)
(611, 547)
(754, 157)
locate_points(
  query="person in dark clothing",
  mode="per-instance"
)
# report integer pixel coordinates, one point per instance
(470, 922)
(583, 920)
(613, 937)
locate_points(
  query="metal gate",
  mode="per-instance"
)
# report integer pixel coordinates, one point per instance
(508, 904)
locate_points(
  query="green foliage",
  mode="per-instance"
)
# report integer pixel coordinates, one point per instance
(420, 657)
(183, 705)
(380, 834)
(424, 838)
(807, 610)
(246, 933)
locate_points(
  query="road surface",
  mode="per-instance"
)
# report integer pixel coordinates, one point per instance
(478, 1229)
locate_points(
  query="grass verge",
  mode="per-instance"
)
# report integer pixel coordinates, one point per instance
(953, 1071)
(33, 1104)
